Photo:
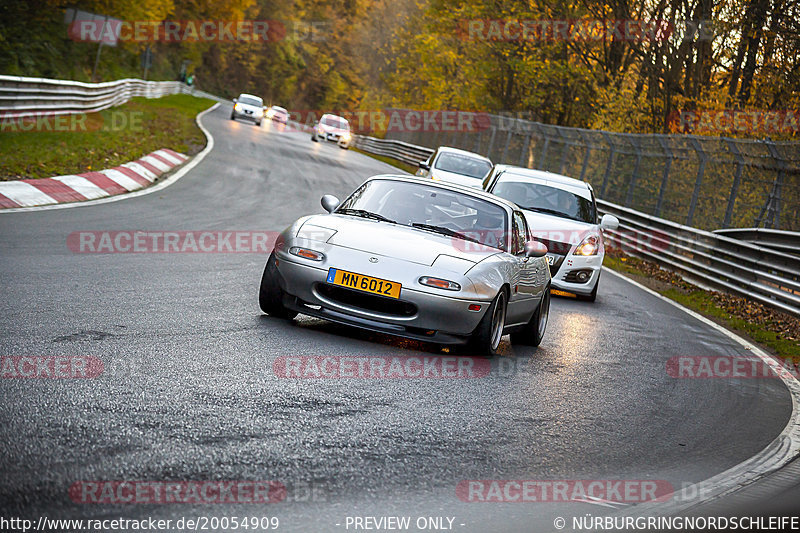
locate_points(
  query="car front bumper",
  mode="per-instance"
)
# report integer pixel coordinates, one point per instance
(572, 263)
(438, 318)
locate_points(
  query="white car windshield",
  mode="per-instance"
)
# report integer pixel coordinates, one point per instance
(336, 122)
(546, 199)
(430, 208)
(463, 164)
(249, 100)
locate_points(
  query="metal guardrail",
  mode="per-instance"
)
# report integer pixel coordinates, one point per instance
(31, 97)
(786, 241)
(709, 259)
(407, 153)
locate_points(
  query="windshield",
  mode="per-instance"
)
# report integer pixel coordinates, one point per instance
(463, 164)
(546, 199)
(250, 100)
(336, 122)
(417, 204)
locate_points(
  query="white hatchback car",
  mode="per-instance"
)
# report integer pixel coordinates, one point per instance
(248, 106)
(452, 165)
(562, 214)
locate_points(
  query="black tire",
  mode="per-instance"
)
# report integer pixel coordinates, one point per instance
(485, 339)
(270, 295)
(314, 138)
(258, 123)
(233, 117)
(534, 330)
(593, 295)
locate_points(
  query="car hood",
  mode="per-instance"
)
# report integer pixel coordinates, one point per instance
(396, 241)
(558, 229)
(453, 177)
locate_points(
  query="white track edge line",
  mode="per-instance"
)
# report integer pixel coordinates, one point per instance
(147, 190)
(782, 450)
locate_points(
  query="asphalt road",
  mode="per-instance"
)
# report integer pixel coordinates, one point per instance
(189, 392)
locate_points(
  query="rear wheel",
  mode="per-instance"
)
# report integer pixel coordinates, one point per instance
(533, 332)
(270, 296)
(486, 337)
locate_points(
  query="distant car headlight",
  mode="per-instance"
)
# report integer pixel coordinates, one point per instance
(588, 246)
(305, 253)
(346, 137)
(440, 283)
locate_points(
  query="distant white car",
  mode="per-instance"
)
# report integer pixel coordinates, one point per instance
(332, 128)
(249, 107)
(562, 214)
(277, 114)
(452, 165)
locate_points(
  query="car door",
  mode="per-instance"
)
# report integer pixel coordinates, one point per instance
(525, 281)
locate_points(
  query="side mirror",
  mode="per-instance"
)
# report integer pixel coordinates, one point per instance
(609, 222)
(235, 100)
(535, 249)
(424, 165)
(329, 203)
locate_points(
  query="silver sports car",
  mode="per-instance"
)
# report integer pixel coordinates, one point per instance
(415, 258)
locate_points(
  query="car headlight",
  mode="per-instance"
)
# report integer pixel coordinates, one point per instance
(346, 137)
(305, 253)
(588, 246)
(238, 107)
(440, 283)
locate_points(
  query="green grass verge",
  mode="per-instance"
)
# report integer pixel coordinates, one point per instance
(702, 302)
(96, 141)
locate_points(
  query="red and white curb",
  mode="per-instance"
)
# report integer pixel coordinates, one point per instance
(90, 185)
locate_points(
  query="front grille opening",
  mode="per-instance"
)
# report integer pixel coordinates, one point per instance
(555, 247)
(366, 301)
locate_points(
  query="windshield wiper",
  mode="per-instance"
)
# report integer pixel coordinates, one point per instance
(365, 214)
(553, 212)
(445, 231)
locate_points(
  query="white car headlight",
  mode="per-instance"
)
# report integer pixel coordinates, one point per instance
(588, 246)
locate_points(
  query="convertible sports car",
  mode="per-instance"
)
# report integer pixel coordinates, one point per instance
(415, 258)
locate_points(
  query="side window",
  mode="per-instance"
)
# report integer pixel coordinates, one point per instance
(519, 234)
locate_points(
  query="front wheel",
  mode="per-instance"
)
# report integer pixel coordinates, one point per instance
(270, 295)
(533, 332)
(486, 338)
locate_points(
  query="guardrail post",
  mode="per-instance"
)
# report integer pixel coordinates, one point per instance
(491, 142)
(523, 155)
(586, 154)
(543, 157)
(505, 147)
(664, 141)
(703, 158)
(609, 164)
(637, 146)
(478, 137)
(773, 205)
(736, 179)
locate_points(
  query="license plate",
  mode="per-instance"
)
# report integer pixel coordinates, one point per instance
(364, 283)
(550, 259)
